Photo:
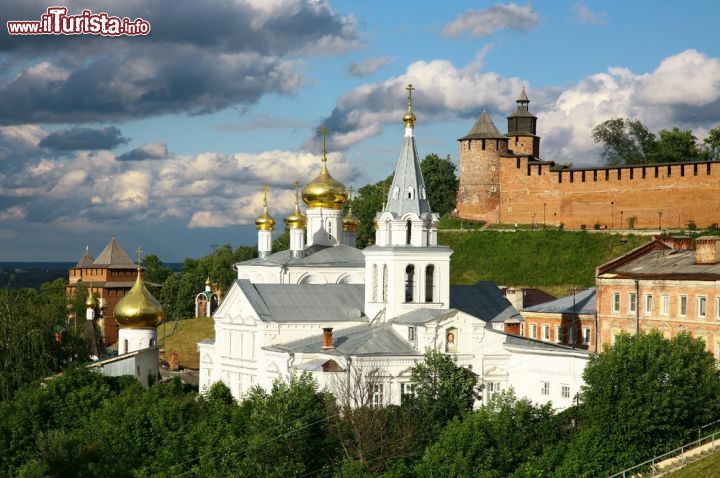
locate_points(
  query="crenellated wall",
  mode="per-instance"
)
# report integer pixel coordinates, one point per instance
(667, 196)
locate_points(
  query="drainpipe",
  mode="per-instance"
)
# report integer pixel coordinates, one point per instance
(597, 324)
(637, 307)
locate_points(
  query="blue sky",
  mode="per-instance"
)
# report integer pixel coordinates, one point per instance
(166, 140)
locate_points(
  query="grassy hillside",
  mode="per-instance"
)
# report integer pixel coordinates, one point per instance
(546, 259)
(188, 333)
(708, 467)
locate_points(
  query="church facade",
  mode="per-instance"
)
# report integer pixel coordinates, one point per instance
(338, 312)
(504, 180)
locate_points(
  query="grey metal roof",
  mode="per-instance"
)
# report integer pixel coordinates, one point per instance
(408, 175)
(305, 302)
(582, 302)
(483, 300)
(360, 340)
(113, 255)
(523, 96)
(316, 255)
(668, 264)
(525, 342)
(86, 259)
(420, 316)
(484, 128)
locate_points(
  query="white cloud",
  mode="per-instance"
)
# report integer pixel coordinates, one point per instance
(583, 14)
(14, 213)
(485, 22)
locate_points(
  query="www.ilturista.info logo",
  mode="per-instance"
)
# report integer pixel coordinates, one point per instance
(56, 21)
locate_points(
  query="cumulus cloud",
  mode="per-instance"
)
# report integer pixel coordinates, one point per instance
(201, 57)
(84, 138)
(368, 66)
(583, 14)
(146, 151)
(482, 23)
(443, 91)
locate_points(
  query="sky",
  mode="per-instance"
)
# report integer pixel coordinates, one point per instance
(165, 140)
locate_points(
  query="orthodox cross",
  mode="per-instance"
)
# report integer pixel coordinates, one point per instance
(324, 132)
(410, 89)
(139, 251)
(266, 189)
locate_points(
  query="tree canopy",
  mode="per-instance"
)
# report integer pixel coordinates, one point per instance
(627, 141)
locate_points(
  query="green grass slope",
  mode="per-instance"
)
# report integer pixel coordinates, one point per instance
(184, 342)
(708, 467)
(544, 259)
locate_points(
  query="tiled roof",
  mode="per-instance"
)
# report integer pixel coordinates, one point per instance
(583, 302)
(86, 259)
(484, 128)
(114, 255)
(483, 300)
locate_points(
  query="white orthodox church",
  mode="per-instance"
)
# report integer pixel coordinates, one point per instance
(328, 308)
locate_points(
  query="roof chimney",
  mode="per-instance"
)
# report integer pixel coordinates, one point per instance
(327, 338)
(706, 250)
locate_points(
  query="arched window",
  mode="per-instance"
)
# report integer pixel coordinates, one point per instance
(408, 233)
(410, 193)
(388, 236)
(430, 283)
(330, 229)
(385, 283)
(409, 283)
(374, 282)
(396, 192)
(125, 346)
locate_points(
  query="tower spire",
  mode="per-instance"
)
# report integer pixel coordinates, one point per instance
(409, 117)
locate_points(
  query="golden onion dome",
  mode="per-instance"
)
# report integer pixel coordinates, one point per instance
(296, 219)
(207, 281)
(375, 223)
(324, 191)
(350, 222)
(138, 309)
(265, 222)
(90, 301)
(409, 116)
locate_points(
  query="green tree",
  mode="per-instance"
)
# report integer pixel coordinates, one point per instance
(711, 144)
(442, 391)
(642, 396)
(155, 273)
(676, 146)
(495, 440)
(625, 142)
(367, 203)
(441, 182)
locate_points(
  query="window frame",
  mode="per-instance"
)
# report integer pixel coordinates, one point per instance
(665, 305)
(545, 388)
(632, 302)
(533, 331)
(615, 302)
(546, 332)
(700, 298)
(682, 304)
(558, 334)
(649, 304)
(565, 391)
(586, 337)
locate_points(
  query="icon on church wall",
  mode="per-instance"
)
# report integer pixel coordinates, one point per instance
(451, 340)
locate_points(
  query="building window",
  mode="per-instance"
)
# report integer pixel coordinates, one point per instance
(409, 282)
(546, 332)
(717, 309)
(533, 331)
(374, 282)
(385, 283)
(632, 302)
(493, 388)
(558, 334)
(565, 391)
(701, 306)
(683, 305)
(377, 398)
(430, 283)
(571, 334)
(408, 233)
(406, 391)
(586, 335)
(411, 334)
(665, 305)
(648, 303)
(616, 302)
(545, 388)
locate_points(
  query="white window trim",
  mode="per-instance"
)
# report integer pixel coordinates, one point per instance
(648, 297)
(665, 300)
(717, 309)
(632, 308)
(697, 304)
(680, 300)
(586, 337)
(533, 331)
(545, 388)
(558, 334)
(616, 302)
(546, 332)
(563, 388)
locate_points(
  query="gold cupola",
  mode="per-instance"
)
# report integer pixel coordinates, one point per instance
(138, 309)
(296, 219)
(265, 222)
(409, 116)
(324, 191)
(90, 301)
(350, 222)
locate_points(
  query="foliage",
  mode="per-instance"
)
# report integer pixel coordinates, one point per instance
(368, 201)
(496, 440)
(704, 468)
(630, 142)
(155, 273)
(449, 222)
(642, 397)
(29, 320)
(533, 258)
(441, 182)
(442, 391)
